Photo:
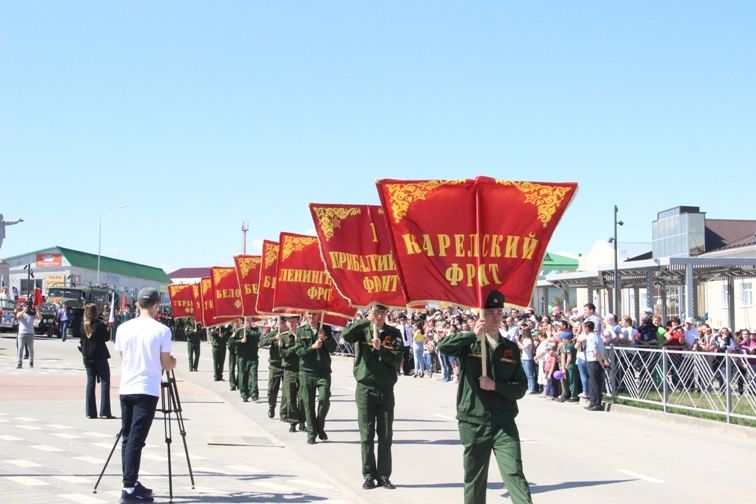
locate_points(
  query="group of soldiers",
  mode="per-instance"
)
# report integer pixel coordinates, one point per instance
(300, 366)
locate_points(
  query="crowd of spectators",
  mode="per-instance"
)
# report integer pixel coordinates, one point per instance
(561, 351)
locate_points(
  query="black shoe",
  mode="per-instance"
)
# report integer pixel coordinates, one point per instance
(107, 417)
(271, 412)
(368, 484)
(92, 417)
(255, 398)
(245, 399)
(322, 436)
(18, 366)
(302, 427)
(142, 489)
(135, 497)
(384, 482)
(293, 427)
(310, 439)
(594, 408)
(233, 388)
(31, 363)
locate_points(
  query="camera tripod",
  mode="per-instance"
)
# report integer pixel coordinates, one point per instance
(170, 404)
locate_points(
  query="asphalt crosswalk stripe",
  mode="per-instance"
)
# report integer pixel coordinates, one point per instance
(66, 435)
(29, 427)
(72, 479)
(58, 426)
(150, 456)
(46, 448)
(6, 437)
(25, 419)
(23, 463)
(102, 444)
(101, 435)
(27, 481)
(91, 460)
(273, 486)
(84, 499)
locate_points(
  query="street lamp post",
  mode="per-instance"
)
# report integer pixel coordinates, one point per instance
(99, 239)
(617, 297)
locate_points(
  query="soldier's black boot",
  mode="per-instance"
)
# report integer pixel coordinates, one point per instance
(293, 427)
(271, 412)
(368, 484)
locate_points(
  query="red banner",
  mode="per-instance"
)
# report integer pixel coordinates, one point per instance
(208, 304)
(302, 282)
(457, 240)
(356, 249)
(266, 284)
(197, 303)
(46, 260)
(248, 276)
(182, 300)
(226, 292)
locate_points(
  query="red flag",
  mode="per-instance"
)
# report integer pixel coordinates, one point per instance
(197, 303)
(356, 249)
(227, 301)
(302, 282)
(208, 304)
(182, 300)
(248, 274)
(266, 285)
(458, 240)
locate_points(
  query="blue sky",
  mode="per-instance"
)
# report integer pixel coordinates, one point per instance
(198, 115)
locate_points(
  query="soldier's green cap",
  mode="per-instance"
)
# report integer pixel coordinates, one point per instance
(494, 300)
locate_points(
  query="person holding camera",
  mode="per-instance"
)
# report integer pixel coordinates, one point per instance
(25, 339)
(145, 348)
(95, 354)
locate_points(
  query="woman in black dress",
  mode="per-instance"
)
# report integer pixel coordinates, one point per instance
(95, 354)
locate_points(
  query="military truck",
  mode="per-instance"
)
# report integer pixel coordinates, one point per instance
(75, 298)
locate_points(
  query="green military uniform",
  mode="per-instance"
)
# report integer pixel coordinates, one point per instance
(290, 364)
(231, 343)
(571, 376)
(193, 338)
(247, 352)
(315, 378)
(375, 372)
(275, 374)
(486, 418)
(179, 331)
(218, 342)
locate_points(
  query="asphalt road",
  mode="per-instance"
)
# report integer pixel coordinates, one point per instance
(570, 455)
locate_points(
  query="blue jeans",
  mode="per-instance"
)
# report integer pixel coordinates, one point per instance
(443, 360)
(63, 329)
(417, 350)
(530, 372)
(583, 369)
(137, 412)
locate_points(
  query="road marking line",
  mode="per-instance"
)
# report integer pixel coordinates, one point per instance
(84, 499)
(27, 481)
(640, 476)
(23, 463)
(350, 389)
(310, 484)
(58, 426)
(90, 460)
(445, 417)
(25, 419)
(46, 448)
(104, 445)
(66, 435)
(245, 469)
(29, 427)
(205, 469)
(273, 486)
(72, 479)
(3, 420)
(6, 437)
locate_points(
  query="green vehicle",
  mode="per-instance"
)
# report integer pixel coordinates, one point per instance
(74, 298)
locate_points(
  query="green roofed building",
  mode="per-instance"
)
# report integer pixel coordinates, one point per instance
(63, 267)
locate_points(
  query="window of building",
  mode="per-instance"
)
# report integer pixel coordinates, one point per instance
(746, 294)
(725, 297)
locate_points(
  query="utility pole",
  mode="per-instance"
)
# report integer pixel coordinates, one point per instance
(244, 229)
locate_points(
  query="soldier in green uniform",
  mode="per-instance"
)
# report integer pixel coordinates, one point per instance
(377, 353)
(487, 405)
(233, 377)
(275, 371)
(218, 343)
(193, 338)
(567, 363)
(314, 346)
(247, 344)
(290, 364)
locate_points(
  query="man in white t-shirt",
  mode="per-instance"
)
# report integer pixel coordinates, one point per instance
(145, 348)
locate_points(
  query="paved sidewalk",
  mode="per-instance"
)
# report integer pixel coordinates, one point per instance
(51, 453)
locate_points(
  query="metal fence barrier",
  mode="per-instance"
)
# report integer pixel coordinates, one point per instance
(717, 383)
